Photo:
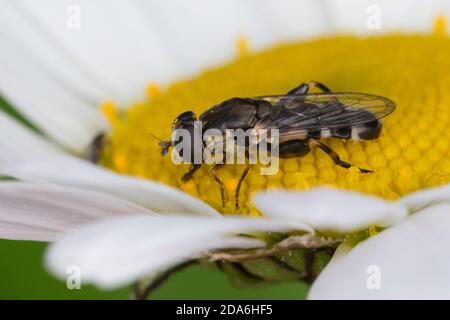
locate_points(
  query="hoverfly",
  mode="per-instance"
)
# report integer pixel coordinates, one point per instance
(302, 120)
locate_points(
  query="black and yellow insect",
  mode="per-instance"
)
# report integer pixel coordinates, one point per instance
(302, 120)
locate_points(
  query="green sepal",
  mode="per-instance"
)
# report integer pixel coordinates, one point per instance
(270, 269)
(294, 259)
(321, 259)
(239, 277)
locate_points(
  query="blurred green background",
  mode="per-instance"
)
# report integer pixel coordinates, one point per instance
(22, 275)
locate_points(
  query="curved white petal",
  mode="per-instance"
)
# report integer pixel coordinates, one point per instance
(362, 16)
(423, 198)
(215, 27)
(294, 19)
(328, 209)
(50, 54)
(42, 212)
(410, 260)
(168, 40)
(71, 171)
(122, 46)
(18, 142)
(61, 114)
(117, 251)
(115, 42)
(341, 251)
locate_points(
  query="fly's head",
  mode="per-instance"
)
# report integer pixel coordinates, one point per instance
(184, 130)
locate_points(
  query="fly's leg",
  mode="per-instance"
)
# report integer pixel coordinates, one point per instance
(188, 175)
(305, 87)
(220, 182)
(141, 292)
(334, 156)
(238, 188)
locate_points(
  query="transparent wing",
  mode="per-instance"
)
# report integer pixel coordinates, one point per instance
(300, 114)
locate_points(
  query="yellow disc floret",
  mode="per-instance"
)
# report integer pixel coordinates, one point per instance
(412, 152)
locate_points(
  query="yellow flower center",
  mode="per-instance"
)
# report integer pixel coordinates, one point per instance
(412, 152)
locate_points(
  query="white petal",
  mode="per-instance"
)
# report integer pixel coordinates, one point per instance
(117, 251)
(70, 171)
(353, 16)
(42, 212)
(116, 42)
(423, 198)
(412, 259)
(328, 209)
(263, 25)
(18, 142)
(63, 115)
(14, 231)
(40, 45)
(144, 41)
(64, 118)
(150, 41)
(341, 251)
(297, 19)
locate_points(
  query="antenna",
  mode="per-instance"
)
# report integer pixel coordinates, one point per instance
(160, 140)
(163, 144)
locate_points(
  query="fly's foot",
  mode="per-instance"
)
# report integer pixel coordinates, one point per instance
(188, 175)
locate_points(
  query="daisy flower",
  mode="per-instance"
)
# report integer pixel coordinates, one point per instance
(97, 85)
